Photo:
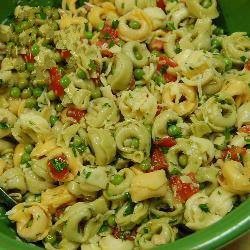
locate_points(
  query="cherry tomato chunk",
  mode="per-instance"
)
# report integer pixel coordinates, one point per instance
(65, 54)
(234, 153)
(28, 58)
(183, 191)
(75, 113)
(166, 141)
(55, 78)
(163, 61)
(161, 4)
(245, 129)
(158, 160)
(157, 45)
(170, 77)
(58, 167)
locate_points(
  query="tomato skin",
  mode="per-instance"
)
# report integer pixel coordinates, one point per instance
(163, 61)
(234, 153)
(106, 53)
(166, 141)
(55, 78)
(65, 54)
(161, 4)
(75, 113)
(245, 129)
(58, 175)
(29, 58)
(157, 45)
(170, 77)
(107, 29)
(247, 65)
(158, 160)
(183, 191)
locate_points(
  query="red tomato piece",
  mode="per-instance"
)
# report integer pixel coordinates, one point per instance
(234, 153)
(101, 43)
(158, 160)
(58, 167)
(109, 32)
(106, 53)
(116, 232)
(55, 78)
(247, 65)
(75, 113)
(157, 45)
(245, 129)
(166, 141)
(65, 54)
(29, 58)
(170, 77)
(183, 191)
(161, 4)
(165, 61)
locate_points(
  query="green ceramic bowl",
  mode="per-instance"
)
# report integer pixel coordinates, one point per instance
(214, 237)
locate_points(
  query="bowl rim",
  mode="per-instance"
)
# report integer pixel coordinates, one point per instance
(229, 228)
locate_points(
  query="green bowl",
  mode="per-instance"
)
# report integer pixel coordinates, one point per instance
(232, 226)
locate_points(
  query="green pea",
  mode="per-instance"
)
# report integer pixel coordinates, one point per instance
(138, 73)
(77, 141)
(138, 55)
(59, 107)
(182, 160)
(215, 43)
(155, 53)
(35, 49)
(51, 95)
(37, 91)
(96, 93)
(30, 102)
(65, 81)
(25, 158)
(158, 78)
(100, 26)
(15, 92)
(218, 31)
(174, 131)
(28, 148)
(117, 179)
(53, 119)
(206, 3)
(81, 74)
(18, 28)
(30, 67)
(134, 24)
(89, 34)
(50, 239)
(135, 143)
(115, 24)
(228, 63)
(111, 220)
(145, 165)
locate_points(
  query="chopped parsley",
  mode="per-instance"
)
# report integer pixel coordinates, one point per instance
(129, 209)
(59, 164)
(4, 125)
(204, 208)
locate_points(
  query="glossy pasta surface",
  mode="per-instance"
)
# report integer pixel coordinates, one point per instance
(124, 125)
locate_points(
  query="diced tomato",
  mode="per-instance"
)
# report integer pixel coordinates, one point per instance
(106, 53)
(170, 77)
(247, 65)
(65, 54)
(109, 32)
(29, 58)
(245, 129)
(56, 173)
(234, 153)
(55, 78)
(166, 141)
(116, 232)
(75, 113)
(159, 109)
(101, 43)
(158, 160)
(157, 45)
(165, 61)
(183, 191)
(161, 4)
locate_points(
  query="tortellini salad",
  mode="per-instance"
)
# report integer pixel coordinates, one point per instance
(123, 124)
